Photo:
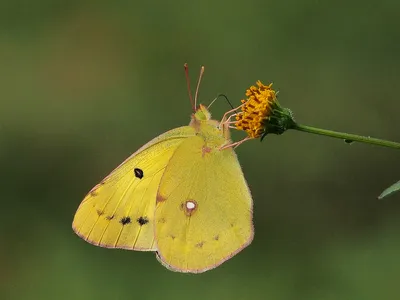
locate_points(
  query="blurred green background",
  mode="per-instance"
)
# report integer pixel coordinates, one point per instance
(83, 84)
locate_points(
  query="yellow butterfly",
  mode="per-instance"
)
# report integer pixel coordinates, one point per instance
(182, 195)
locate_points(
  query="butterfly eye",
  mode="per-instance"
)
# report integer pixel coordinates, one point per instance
(125, 220)
(138, 173)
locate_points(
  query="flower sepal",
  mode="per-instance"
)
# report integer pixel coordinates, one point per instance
(280, 120)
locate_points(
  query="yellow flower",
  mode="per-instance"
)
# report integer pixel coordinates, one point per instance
(256, 109)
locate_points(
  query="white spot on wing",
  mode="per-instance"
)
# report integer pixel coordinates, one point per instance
(190, 205)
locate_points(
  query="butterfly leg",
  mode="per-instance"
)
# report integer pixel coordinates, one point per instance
(228, 122)
(236, 144)
(225, 118)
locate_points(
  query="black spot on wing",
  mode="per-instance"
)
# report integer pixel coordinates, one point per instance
(125, 220)
(138, 173)
(142, 221)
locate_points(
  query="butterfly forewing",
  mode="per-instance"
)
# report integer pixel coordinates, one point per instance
(119, 211)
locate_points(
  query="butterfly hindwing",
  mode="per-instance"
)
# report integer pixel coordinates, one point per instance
(204, 208)
(119, 211)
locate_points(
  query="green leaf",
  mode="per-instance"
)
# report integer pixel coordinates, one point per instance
(390, 190)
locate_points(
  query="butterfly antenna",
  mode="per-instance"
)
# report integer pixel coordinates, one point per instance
(198, 86)
(188, 86)
(218, 96)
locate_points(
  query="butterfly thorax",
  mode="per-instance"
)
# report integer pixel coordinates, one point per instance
(210, 130)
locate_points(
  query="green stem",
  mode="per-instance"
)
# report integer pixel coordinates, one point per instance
(346, 136)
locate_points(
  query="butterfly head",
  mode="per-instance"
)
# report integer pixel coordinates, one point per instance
(209, 128)
(202, 116)
(202, 113)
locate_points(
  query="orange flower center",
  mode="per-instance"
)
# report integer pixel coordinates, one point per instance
(256, 109)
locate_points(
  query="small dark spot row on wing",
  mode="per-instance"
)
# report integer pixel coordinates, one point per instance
(200, 245)
(142, 221)
(93, 192)
(100, 212)
(216, 238)
(125, 220)
(138, 173)
(109, 218)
